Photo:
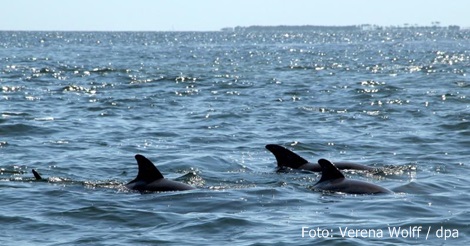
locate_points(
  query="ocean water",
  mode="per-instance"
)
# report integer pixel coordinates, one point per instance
(77, 107)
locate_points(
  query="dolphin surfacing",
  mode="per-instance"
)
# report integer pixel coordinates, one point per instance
(36, 175)
(149, 178)
(287, 158)
(333, 180)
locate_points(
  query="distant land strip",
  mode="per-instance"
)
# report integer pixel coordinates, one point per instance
(364, 27)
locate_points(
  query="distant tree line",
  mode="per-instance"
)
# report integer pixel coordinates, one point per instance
(365, 27)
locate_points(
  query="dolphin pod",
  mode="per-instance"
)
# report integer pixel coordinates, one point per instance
(287, 158)
(150, 179)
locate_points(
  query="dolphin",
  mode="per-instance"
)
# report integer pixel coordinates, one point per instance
(287, 158)
(150, 179)
(36, 175)
(333, 180)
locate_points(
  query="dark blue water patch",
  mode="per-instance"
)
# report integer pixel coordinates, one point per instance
(15, 130)
(459, 126)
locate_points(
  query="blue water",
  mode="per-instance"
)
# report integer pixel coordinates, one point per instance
(77, 107)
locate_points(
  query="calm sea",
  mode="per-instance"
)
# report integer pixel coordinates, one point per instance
(77, 107)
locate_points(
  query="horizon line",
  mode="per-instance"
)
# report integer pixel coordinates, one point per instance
(403, 26)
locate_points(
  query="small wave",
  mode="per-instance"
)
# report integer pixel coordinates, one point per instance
(11, 171)
(44, 119)
(10, 114)
(101, 70)
(11, 89)
(181, 79)
(45, 70)
(76, 88)
(111, 184)
(457, 126)
(463, 84)
(16, 219)
(193, 179)
(394, 170)
(23, 129)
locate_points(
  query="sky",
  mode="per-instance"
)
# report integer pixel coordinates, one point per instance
(212, 15)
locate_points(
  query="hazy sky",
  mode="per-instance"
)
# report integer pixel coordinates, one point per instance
(212, 15)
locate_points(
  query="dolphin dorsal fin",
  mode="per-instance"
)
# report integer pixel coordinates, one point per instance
(36, 175)
(148, 172)
(329, 171)
(285, 157)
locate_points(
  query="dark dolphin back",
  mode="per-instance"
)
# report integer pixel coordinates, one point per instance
(285, 157)
(147, 170)
(353, 166)
(329, 171)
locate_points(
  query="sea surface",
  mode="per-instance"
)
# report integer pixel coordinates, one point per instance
(78, 106)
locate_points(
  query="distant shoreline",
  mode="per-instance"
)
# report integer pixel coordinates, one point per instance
(363, 27)
(286, 28)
